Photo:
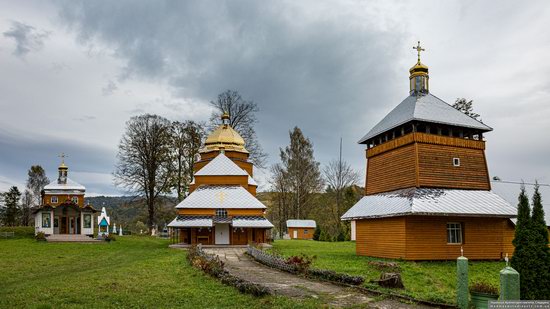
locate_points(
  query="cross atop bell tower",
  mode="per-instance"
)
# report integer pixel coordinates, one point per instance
(62, 177)
(419, 75)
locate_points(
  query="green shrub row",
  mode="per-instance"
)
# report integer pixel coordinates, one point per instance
(19, 231)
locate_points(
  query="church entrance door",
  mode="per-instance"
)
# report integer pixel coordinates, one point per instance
(222, 234)
(63, 229)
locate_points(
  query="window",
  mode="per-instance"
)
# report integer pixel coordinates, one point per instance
(305, 232)
(53, 199)
(46, 219)
(454, 233)
(75, 199)
(56, 222)
(87, 221)
(456, 161)
(221, 212)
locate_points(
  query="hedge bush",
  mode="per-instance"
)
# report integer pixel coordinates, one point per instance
(212, 265)
(19, 231)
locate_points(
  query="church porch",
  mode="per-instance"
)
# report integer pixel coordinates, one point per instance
(65, 219)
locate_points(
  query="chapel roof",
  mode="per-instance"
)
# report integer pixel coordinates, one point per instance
(424, 107)
(431, 201)
(69, 185)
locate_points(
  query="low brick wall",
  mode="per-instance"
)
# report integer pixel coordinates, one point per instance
(270, 260)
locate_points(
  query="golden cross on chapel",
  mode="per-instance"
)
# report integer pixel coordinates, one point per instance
(418, 49)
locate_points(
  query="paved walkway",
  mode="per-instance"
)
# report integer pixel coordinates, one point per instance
(243, 266)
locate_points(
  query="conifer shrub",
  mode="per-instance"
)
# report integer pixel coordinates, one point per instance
(40, 236)
(317, 233)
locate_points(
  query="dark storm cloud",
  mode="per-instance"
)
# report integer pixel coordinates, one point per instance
(322, 72)
(27, 38)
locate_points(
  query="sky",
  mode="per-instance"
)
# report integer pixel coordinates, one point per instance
(72, 73)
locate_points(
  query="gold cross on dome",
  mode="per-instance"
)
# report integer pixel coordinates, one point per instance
(63, 156)
(418, 49)
(221, 196)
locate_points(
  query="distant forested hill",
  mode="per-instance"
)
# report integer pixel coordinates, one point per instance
(131, 212)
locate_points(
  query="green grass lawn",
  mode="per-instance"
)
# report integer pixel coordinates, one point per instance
(433, 281)
(130, 272)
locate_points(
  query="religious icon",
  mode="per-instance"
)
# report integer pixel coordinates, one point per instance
(46, 220)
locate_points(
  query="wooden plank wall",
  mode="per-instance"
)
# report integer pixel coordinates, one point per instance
(392, 170)
(384, 237)
(301, 233)
(483, 238)
(436, 169)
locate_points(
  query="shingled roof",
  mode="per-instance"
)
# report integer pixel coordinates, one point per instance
(221, 166)
(220, 197)
(428, 108)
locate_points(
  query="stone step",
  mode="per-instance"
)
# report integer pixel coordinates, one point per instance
(70, 238)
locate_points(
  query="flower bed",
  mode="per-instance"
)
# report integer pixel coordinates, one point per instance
(300, 264)
(212, 265)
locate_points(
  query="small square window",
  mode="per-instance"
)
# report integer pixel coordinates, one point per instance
(221, 212)
(454, 233)
(75, 199)
(305, 232)
(53, 199)
(456, 161)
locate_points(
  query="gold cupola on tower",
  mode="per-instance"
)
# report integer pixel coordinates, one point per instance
(419, 78)
(224, 138)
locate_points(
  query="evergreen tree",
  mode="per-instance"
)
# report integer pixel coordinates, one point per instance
(524, 253)
(317, 233)
(541, 262)
(12, 211)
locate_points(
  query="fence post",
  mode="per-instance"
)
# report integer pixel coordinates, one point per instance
(462, 295)
(509, 284)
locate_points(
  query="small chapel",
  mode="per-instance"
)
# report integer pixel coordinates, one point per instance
(428, 192)
(62, 209)
(221, 208)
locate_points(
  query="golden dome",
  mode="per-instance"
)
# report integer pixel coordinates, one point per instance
(224, 137)
(419, 69)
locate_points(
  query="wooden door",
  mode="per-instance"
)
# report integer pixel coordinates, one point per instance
(63, 223)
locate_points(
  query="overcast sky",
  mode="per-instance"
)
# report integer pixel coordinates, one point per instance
(72, 73)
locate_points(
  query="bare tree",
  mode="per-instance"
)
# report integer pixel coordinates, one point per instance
(242, 117)
(144, 156)
(302, 172)
(187, 138)
(467, 107)
(339, 175)
(280, 188)
(27, 202)
(36, 181)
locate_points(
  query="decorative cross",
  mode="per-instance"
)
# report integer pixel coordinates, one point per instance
(506, 259)
(418, 49)
(221, 196)
(63, 156)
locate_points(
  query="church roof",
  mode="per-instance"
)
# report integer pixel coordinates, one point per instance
(191, 221)
(220, 197)
(221, 166)
(301, 223)
(224, 137)
(428, 108)
(250, 221)
(428, 201)
(69, 185)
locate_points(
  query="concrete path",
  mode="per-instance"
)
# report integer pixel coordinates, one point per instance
(282, 283)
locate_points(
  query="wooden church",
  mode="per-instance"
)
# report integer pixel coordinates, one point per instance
(428, 192)
(222, 208)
